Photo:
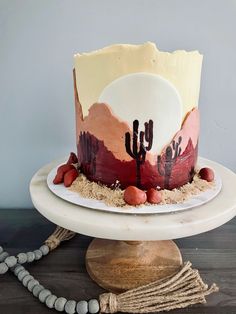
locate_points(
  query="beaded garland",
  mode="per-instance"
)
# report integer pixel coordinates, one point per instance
(183, 289)
(44, 295)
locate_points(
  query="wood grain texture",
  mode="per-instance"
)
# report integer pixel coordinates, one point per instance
(118, 266)
(64, 272)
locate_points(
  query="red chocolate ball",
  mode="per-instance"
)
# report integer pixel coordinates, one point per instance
(207, 174)
(134, 196)
(153, 196)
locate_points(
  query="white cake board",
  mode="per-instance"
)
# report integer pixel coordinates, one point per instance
(136, 227)
(75, 198)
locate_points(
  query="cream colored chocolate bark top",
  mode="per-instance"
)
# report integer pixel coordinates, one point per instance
(97, 69)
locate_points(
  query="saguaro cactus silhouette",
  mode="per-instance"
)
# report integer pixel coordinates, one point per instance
(171, 153)
(89, 149)
(139, 148)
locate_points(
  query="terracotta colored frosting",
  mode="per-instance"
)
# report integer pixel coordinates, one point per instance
(101, 123)
(103, 156)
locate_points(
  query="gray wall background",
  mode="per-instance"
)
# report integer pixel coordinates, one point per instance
(37, 43)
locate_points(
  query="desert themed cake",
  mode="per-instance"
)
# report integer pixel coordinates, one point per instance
(137, 118)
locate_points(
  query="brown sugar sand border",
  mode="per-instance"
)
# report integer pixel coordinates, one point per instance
(115, 197)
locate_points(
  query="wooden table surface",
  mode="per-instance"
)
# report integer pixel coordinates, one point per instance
(64, 273)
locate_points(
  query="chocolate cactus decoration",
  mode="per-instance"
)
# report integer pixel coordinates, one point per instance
(89, 149)
(139, 150)
(171, 154)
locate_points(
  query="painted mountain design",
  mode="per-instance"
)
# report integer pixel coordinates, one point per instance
(100, 165)
(110, 151)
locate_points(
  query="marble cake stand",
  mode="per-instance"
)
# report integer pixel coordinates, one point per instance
(140, 247)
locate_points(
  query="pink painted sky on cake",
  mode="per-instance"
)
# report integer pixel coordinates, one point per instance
(105, 126)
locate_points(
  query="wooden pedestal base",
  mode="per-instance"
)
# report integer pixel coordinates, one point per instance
(121, 265)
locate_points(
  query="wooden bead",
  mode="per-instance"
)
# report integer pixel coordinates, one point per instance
(14, 267)
(26, 279)
(18, 269)
(82, 307)
(11, 261)
(3, 268)
(31, 284)
(43, 295)
(70, 307)
(38, 254)
(60, 304)
(30, 257)
(22, 258)
(93, 306)
(3, 256)
(37, 289)
(22, 274)
(44, 249)
(50, 301)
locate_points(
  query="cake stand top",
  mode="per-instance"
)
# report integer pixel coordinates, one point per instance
(118, 226)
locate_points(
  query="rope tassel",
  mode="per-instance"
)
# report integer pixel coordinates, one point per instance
(59, 235)
(178, 291)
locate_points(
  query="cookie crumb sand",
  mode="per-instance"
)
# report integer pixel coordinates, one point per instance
(114, 197)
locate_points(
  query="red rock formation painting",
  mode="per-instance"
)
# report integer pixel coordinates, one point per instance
(109, 153)
(100, 165)
(190, 129)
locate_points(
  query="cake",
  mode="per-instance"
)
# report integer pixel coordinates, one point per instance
(137, 117)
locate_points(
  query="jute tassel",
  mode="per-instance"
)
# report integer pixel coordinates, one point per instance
(59, 235)
(178, 291)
